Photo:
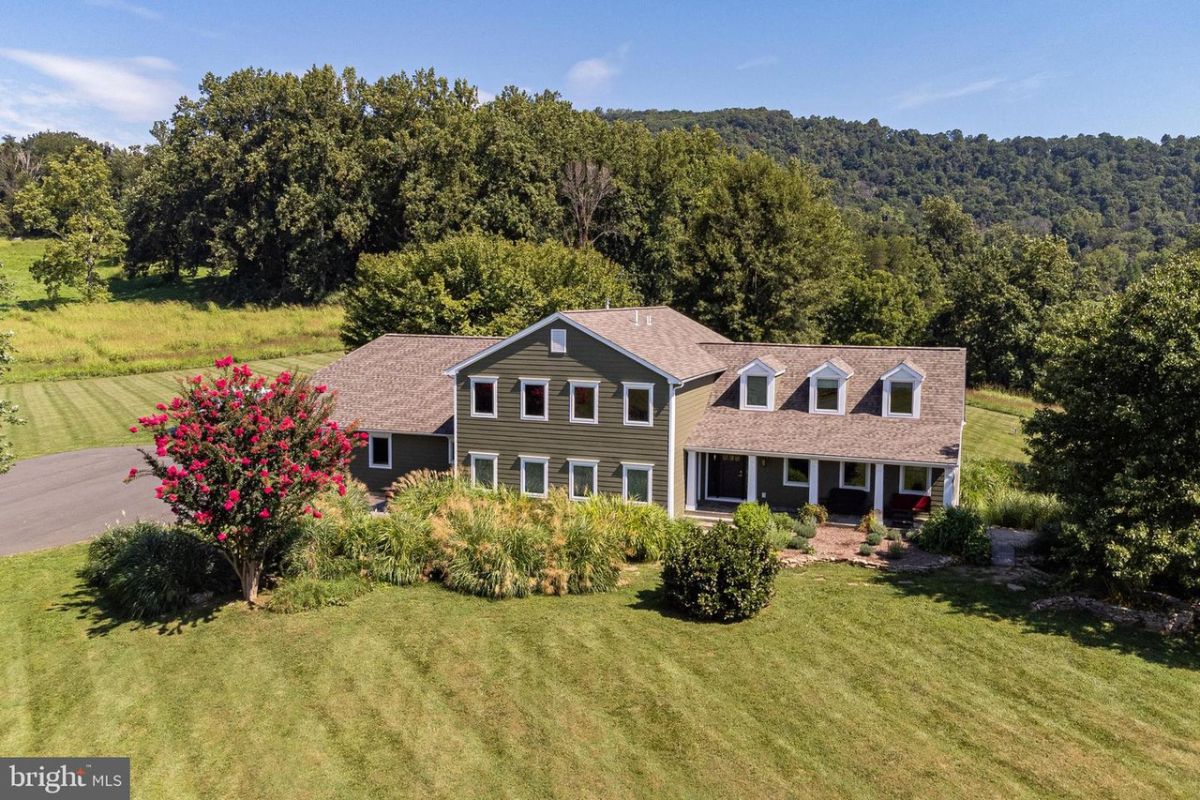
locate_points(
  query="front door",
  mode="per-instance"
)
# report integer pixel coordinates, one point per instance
(726, 476)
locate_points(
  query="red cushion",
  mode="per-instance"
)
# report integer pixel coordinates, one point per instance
(910, 502)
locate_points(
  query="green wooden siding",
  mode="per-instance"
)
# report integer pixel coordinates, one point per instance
(410, 452)
(609, 441)
(770, 480)
(690, 401)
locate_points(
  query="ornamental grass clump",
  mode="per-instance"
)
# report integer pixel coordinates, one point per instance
(241, 458)
(726, 573)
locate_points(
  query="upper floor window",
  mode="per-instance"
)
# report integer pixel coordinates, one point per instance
(827, 387)
(639, 404)
(584, 401)
(902, 391)
(757, 384)
(558, 340)
(535, 403)
(483, 397)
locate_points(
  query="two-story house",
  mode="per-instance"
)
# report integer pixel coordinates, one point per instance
(650, 405)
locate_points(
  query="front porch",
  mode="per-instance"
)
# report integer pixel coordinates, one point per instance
(899, 493)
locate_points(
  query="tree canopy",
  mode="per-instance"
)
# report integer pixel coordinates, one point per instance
(1119, 438)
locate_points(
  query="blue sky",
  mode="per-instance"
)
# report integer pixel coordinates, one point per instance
(109, 68)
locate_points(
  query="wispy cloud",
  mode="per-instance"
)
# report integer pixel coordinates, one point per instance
(595, 75)
(1006, 88)
(134, 89)
(129, 8)
(761, 61)
(925, 95)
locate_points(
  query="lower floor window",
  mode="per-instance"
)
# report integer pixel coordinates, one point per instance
(636, 483)
(795, 472)
(533, 475)
(379, 453)
(583, 479)
(914, 480)
(854, 474)
(483, 469)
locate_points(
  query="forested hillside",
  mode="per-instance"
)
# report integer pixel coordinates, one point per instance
(1118, 198)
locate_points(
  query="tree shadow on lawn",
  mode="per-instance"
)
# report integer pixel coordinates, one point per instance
(981, 592)
(103, 618)
(655, 599)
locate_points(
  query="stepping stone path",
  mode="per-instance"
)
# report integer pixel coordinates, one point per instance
(1006, 542)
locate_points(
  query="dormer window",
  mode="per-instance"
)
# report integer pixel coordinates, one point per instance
(757, 384)
(827, 387)
(902, 391)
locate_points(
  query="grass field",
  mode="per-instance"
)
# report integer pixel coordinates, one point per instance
(851, 684)
(97, 412)
(994, 425)
(148, 326)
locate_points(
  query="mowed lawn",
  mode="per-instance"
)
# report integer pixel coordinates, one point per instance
(994, 425)
(851, 684)
(97, 412)
(147, 326)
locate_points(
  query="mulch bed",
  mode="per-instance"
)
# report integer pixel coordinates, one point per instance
(839, 543)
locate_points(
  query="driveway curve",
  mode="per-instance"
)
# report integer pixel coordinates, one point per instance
(69, 497)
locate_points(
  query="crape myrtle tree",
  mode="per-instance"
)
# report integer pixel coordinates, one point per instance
(1118, 437)
(241, 457)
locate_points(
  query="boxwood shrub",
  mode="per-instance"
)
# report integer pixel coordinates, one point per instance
(726, 573)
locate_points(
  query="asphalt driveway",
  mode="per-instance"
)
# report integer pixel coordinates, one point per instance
(69, 497)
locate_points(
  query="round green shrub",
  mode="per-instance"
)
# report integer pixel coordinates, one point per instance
(957, 531)
(146, 570)
(874, 538)
(865, 549)
(804, 528)
(725, 573)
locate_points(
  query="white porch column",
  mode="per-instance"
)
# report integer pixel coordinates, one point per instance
(752, 478)
(689, 502)
(814, 469)
(950, 487)
(879, 490)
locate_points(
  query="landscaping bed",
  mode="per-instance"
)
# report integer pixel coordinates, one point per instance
(843, 543)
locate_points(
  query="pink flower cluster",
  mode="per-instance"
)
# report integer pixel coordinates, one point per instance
(239, 455)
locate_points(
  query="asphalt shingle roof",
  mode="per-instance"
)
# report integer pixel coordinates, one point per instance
(659, 335)
(396, 382)
(862, 433)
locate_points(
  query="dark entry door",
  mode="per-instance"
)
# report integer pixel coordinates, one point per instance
(726, 476)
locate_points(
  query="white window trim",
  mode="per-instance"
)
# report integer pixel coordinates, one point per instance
(866, 476)
(371, 451)
(545, 462)
(595, 387)
(744, 405)
(649, 469)
(582, 462)
(807, 468)
(556, 347)
(649, 387)
(887, 397)
(495, 382)
(545, 384)
(928, 480)
(492, 457)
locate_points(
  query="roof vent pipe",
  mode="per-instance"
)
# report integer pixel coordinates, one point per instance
(648, 321)
(635, 316)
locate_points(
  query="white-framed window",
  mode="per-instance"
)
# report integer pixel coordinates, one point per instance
(915, 480)
(535, 399)
(637, 482)
(757, 386)
(483, 469)
(902, 392)
(827, 388)
(795, 472)
(558, 340)
(582, 473)
(585, 401)
(484, 400)
(379, 451)
(535, 473)
(639, 404)
(854, 474)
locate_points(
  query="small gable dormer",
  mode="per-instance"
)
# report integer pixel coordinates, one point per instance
(827, 387)
(902, 391)
(757, 384)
